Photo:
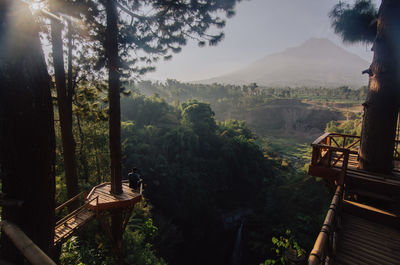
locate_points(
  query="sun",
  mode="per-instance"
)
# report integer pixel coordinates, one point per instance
(35, 6)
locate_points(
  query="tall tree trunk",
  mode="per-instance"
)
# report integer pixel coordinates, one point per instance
(115, 119)
(27, 140)
(381, 106)
(64, 99)
(114, 95)
(82, 153)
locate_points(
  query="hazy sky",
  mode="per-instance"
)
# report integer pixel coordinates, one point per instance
(259, 28)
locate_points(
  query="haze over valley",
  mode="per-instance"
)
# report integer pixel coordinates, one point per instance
(314, 63)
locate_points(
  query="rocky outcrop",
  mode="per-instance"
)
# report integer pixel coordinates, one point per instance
(285, 116)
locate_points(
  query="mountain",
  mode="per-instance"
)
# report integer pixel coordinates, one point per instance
(315, 63)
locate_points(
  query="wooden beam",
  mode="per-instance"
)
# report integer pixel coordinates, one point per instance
(25, 245)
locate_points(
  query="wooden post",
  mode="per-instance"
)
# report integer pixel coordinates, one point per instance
(344, 166)
(117, 220)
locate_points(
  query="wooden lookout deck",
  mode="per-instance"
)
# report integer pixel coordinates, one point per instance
(96, 203)
(335, 158)
(362, 225)
(105, 200)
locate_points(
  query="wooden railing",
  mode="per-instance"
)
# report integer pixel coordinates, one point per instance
(396, 153)
(80, 208)
(324, 250)
(140, 187)
(70, 201)
(330, 155)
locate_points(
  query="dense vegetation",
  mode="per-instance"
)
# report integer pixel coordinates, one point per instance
(215, 193)
(299, 112)
(173, 90)
(203, 179)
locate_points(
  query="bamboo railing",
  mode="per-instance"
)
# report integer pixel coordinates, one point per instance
(324, 249)
(24, 244)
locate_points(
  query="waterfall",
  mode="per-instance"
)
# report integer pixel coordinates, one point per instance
(237, 247)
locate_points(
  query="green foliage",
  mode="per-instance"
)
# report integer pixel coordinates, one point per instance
(232, 128)
(138, 243)
(199, 117)
(144, 110)
(281, 245)
(247, 95)
(194, 170)
(93, 247)
(152, 30)
(351, 127)
(355, 23)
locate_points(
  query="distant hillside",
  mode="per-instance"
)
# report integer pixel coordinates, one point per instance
(315, 63)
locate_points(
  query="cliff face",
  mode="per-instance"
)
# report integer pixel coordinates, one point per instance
(315, 63)
(284, 116)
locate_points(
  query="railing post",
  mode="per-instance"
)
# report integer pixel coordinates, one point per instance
(315, 155)
(344, 166)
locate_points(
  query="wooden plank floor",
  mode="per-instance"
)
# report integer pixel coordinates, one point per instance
(374, 185)
(72, 224)
(108, 200)
(353, 164)
(362, 242)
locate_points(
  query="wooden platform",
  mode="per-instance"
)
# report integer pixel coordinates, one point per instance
(101, 199)
(335, 158)
(98, 200)
(363, 227)
(362, 242)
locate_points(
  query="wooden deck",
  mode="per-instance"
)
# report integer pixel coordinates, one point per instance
(98, 200)
(363, 226)
(362, 242)
(337, 161)
(101, 199)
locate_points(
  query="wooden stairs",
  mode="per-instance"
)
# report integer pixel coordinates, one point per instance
(71, 223)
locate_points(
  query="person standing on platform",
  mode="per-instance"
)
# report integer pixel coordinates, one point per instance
(134, 179)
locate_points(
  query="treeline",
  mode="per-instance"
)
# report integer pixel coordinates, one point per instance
(173, 90)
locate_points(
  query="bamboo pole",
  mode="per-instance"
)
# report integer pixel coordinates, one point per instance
(321, 248)
(25, 245)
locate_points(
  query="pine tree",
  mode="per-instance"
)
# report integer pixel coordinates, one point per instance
(64, 100)
(146, 31)
(27, 144)
(362, 23)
